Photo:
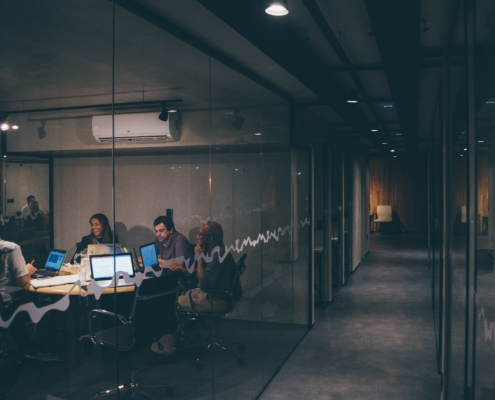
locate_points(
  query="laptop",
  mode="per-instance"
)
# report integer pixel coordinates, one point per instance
(103, 266)
(149, 257)
(53, 264)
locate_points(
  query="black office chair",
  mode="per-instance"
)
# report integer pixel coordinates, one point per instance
(118, 332)
(233, 294)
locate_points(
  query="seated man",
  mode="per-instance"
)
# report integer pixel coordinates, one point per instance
(213, 275)
(170, 244)
(13, 268)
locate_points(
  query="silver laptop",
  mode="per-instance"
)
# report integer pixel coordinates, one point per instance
(103, 267)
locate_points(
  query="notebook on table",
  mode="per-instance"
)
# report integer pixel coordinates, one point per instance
(53, 264)
(104, 265)
(149, 257)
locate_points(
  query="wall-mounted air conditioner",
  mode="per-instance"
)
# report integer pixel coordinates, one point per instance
(141, 127)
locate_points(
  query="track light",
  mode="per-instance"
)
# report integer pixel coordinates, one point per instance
(352, 96)
(41, 129)
(277, 8)
(238, 122)
(164, 114)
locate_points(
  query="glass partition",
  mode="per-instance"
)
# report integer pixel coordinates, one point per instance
(128, 125)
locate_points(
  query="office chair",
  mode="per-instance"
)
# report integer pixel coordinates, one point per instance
(121, 334)
(233, 294)
(384, 215)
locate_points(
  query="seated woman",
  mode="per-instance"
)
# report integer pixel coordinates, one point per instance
(101, 233)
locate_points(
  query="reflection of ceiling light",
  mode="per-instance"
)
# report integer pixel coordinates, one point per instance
(277, 8)
(490, 101)
(352, 96)
(257, 134)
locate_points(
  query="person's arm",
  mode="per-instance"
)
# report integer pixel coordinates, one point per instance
(201, 266)
(24, 280)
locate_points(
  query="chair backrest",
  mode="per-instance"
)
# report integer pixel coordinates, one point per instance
(236, 284)
(384, 213)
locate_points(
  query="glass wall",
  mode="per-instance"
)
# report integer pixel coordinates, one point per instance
(119, 117)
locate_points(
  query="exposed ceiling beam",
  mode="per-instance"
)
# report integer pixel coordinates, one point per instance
(273, 37)
(396, 27)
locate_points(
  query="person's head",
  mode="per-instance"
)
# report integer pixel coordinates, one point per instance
(210, 235)
(100, 228)
(164, 227)
(34, 207)
(30, 198)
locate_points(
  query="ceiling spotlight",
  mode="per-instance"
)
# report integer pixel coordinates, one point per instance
(164, 114)
(41, 130)
(238, 122)
(277, 8)
(352, 96)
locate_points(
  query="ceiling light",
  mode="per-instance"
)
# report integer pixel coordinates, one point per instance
(164, 114)
(277, 8)
(352, 96)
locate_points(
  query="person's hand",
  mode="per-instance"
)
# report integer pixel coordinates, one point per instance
(31, 269)
(175, 266)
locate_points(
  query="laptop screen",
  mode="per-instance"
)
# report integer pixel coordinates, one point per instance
(102, 266)
(148, 254)
(55, 260)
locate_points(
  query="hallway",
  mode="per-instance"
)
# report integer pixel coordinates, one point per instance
(376, 340)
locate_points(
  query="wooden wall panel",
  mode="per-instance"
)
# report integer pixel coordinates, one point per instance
(401, 183)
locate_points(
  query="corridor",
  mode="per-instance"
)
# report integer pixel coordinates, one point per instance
(376, 340)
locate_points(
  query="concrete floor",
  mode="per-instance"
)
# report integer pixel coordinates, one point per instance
(376, 340)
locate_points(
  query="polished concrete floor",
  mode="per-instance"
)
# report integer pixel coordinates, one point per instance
(376, 340)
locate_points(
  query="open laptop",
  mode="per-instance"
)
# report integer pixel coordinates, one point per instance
(103, 266)
(149, 257)
(53, 264)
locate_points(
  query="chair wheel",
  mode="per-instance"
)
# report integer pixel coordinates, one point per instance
(170, 390)
(242, 347)
(199, 365)
(240, 361)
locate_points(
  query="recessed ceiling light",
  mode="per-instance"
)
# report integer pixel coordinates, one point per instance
(277, 8)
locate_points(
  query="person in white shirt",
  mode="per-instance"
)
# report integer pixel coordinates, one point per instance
(25, 209)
